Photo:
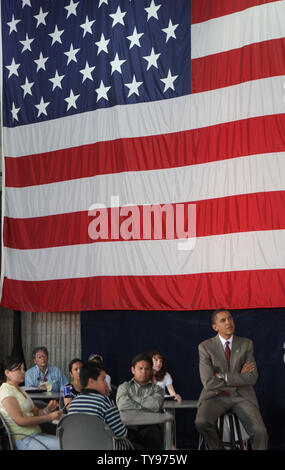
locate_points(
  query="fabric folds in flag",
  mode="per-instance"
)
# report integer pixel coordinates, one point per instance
(143, 154)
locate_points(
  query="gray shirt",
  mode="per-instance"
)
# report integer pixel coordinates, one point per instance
(132, 396)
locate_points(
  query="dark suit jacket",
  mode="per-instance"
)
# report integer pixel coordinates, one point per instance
(212, 359)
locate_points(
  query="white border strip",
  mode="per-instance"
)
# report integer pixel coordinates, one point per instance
(3, 195)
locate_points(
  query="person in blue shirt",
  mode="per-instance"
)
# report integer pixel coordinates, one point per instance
(42, 375)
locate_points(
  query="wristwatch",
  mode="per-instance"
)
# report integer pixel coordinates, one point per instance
(221, 376)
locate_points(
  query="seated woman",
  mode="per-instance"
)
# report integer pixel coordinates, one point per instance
(73, 389)
(20, 413)
(160, 375)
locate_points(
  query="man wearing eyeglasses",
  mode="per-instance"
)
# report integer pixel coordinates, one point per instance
(42, 375)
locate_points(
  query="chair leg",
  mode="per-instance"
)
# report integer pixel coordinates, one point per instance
(232, 433)
(221, 426)
(202, 443)
(235, 439)
(240, 440)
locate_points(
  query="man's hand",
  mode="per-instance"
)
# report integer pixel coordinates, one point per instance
(247, 367)
(42, 387)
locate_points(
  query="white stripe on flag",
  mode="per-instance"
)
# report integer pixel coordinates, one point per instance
(257, 24)
(242, 175)
(231, 252)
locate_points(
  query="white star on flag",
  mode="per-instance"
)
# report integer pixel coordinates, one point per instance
(87, 26)
(13, 68)
(40, 17)
(27, 87)
(169, 31)
(71, 8)
(135, 38)
(56, 35)
(41, 62)
(133, 86)
(103, 1)
(42, 107)
(13, 24)
(102, 44)
(118, 17)
(152, 10)
(168, 81)
(71, 100)
(26, 3)
(102, 91)
(56, 80)
(27, 43)
(152, 59)
(14, 112)
(86, 72)
(117, 64)
(71, 54)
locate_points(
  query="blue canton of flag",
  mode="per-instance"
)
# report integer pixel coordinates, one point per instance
(67, 57)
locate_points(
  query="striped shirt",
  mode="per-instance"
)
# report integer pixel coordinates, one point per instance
(94, 403)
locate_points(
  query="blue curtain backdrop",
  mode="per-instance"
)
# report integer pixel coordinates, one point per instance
(120, 335)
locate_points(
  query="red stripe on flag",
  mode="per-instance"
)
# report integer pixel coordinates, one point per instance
(204, 10)
(251, 136)
(239, 65)
(185, 292)
(243, 213)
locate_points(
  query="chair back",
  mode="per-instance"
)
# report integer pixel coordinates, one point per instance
(78, 431)
(6, 442)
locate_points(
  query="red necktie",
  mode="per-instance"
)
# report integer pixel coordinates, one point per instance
(228, 353)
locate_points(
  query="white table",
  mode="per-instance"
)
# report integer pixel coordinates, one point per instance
(172, 405)
(44, 395)
(144, 418)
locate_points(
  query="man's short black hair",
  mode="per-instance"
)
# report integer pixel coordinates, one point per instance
(89, 370)
(142, 357)
(215, 313)
(39, 348)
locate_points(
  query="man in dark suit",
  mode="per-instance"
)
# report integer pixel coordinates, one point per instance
(228, 373)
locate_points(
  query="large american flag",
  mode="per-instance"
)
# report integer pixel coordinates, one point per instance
(126, 105)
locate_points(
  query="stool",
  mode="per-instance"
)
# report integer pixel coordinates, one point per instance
(232, 433)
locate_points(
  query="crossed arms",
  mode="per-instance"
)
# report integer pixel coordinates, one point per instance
(244, 375)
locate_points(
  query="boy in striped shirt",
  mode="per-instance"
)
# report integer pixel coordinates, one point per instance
(94, 399)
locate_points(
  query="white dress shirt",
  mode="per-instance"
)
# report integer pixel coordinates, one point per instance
(223, 341)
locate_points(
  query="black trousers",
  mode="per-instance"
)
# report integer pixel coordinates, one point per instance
(146, 437)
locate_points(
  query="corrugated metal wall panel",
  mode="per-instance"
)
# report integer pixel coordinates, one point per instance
(59, 332)
(6, 332)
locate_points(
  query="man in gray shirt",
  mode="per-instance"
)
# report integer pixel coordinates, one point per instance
(140, 393)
